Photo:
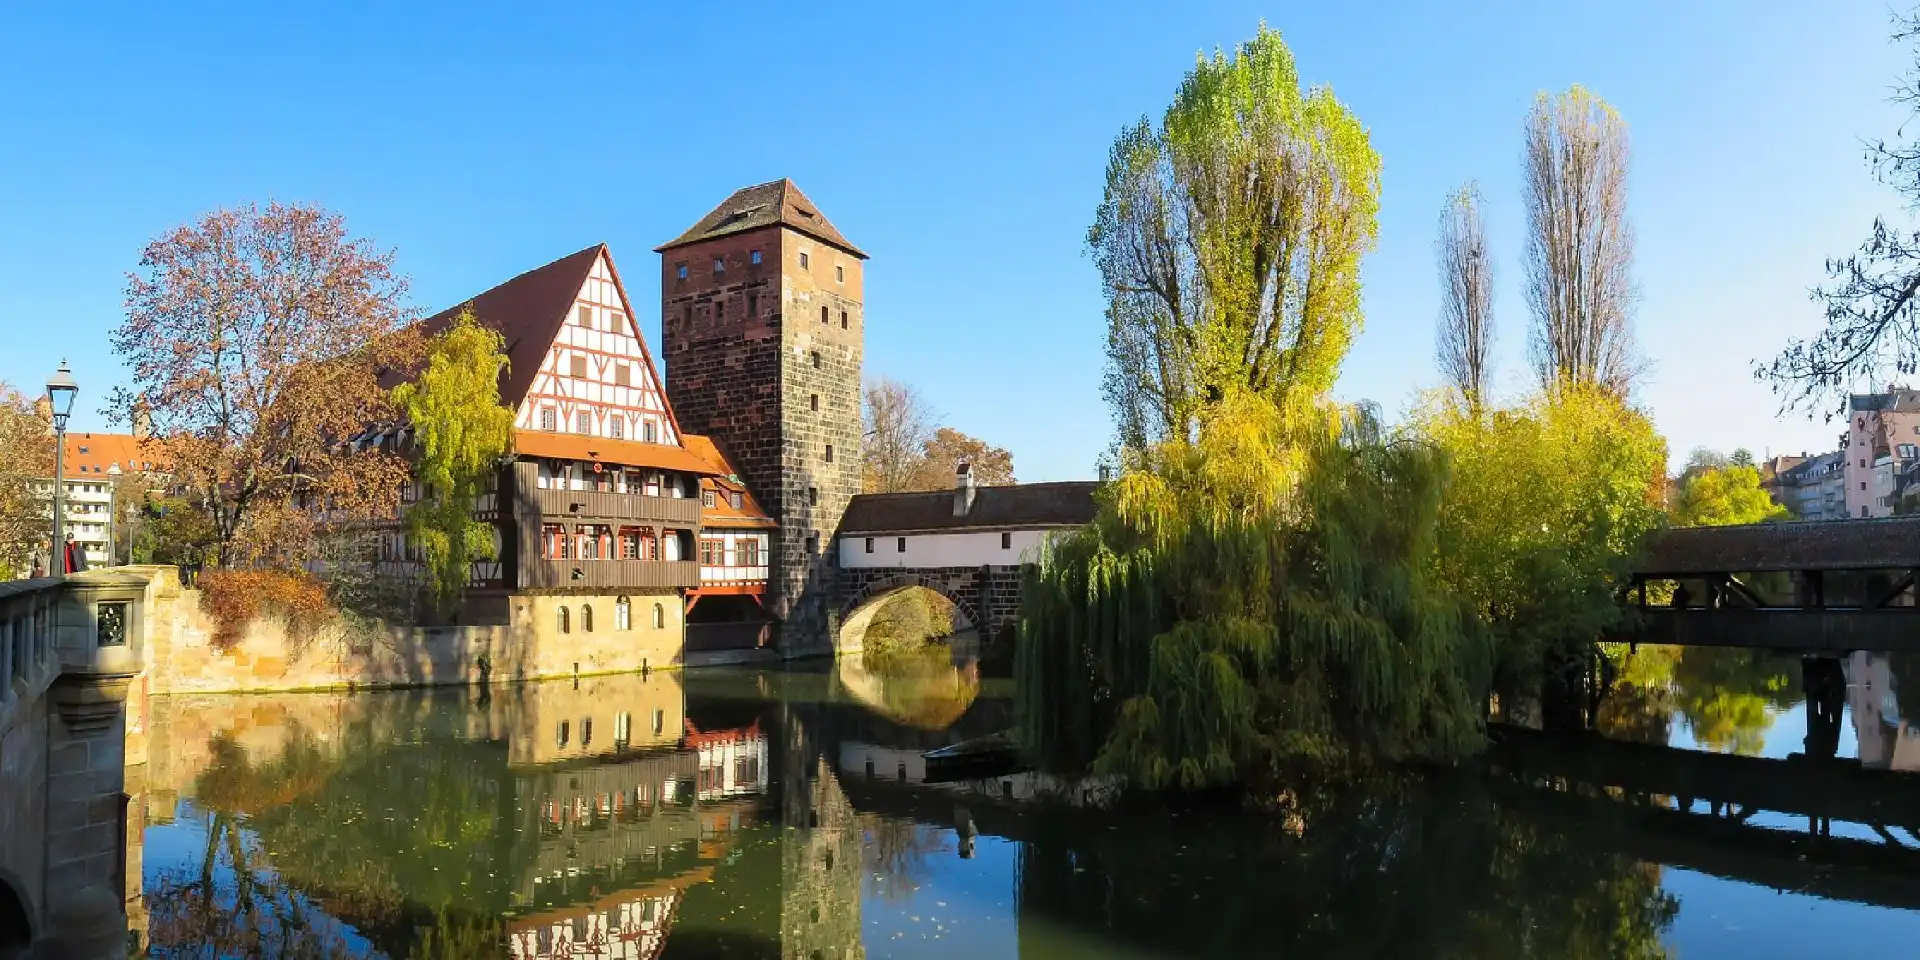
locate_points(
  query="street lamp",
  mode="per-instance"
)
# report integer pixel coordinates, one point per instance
(60, 393)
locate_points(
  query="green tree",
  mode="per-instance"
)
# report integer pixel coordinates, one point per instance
(1546, 501)
(460, 432)
(1229, 242)
(1249, 601)
(1741, 457)
(1726, 495)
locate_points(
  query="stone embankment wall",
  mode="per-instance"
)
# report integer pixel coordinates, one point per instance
(536, 642)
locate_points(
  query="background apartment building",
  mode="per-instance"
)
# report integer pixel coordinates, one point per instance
(1813, 489)
(1882, 438)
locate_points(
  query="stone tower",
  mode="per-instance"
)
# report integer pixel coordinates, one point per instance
(762, 330)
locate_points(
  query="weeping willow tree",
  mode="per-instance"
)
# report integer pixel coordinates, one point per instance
(1256, 599)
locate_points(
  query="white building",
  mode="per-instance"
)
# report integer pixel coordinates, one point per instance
(967, 526)
(89, 516)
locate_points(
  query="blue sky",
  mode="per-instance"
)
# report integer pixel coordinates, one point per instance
(963, 147)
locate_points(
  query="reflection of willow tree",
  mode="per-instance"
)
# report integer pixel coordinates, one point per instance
(1640, 706)
(399, 840)
(1729, 697)
(1409, 867)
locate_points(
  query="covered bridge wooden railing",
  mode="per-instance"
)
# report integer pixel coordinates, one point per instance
(1815, 587)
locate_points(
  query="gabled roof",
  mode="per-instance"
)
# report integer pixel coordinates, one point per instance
(528, 310)
(727, 480)
(1024, 506)
(90, 454)
(764, 205)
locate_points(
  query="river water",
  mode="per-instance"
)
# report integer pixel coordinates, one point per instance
(736, 813)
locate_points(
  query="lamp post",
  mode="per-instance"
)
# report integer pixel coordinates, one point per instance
(60, 393)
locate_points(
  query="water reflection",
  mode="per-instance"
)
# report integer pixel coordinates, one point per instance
(786, 814)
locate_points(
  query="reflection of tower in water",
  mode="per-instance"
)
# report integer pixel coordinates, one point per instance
(819, 856)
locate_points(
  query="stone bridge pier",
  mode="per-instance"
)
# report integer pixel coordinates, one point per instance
(69, 650)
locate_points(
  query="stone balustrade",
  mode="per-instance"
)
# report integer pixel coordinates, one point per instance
(69, 648)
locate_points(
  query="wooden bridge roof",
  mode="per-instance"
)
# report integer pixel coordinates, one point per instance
(1022, 506)
(1892, 542)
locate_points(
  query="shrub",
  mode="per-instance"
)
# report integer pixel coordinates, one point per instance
(235, 598)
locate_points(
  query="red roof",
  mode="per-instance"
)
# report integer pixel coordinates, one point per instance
(90, 454)
(628, 453)
(725, 482)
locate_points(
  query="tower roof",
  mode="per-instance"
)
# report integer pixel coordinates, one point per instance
(764, 205)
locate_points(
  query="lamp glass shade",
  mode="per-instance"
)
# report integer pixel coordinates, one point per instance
(61, 390)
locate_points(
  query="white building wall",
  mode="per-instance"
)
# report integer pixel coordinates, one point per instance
(735, 572)
(968, 549)
(608, 342)
(88, 516)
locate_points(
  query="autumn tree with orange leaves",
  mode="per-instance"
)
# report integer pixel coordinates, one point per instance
(258, 337)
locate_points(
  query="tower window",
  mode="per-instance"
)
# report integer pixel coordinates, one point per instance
(680, 270)
(686, 313)
(719, 265)
(803, 260)
(843, 319)
(719, 308)
(823, 313)
(753, 305)
(753, 257)
(839, 273)
(813, 496)
(816, 359)
(813, 401)
(813, 543)
(829, 453)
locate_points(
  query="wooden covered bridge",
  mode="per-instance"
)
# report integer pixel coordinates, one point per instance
(1820, 587)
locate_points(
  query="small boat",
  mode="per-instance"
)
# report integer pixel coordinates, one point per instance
(994, 755)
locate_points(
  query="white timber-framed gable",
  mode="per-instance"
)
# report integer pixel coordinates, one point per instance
(597, 377)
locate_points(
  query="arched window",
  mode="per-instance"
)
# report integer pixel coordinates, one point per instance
(562, 615)
(659, 617)
(623, 614)
(586, 618)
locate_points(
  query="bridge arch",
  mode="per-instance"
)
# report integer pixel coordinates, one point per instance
(857, 611)
(16, 918)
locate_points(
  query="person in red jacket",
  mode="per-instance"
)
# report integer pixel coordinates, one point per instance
(76, 556)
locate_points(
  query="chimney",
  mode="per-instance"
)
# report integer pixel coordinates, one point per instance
(962, 489)
(1106, 473)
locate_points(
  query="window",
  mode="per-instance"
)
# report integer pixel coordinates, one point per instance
(1863, 461)
(900, 545)
(622, 620)
(734, 498)
(586, 731)
(583, 422)
(686, 314)
(650, 431)
(659, 623)
(616, 321)
(622, 375)
(706, 498)
(622, 724)
(803, 260)
(659, 715)
(1006, 541)
(753, 305)
(586, 618)
(708, 548)
(1863, 484)
(823, 313)
(561, 733)
(813, 543)
(546, 419)
(869, 544)
(813, 496)
(719, 265)
(719, 308)
(1863, 510)
(829, 453)
(553, 541)
(614, 427)
(749, 552)
(1907, 451)
(579, 367)
(816, 359)
(583, 315)
(839, 273)
(813, 401)
(753, 257)
(680, 270)
(843, 319)
(562, 626)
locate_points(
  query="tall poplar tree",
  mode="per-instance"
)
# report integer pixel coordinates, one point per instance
(460, 432)
(1229, 242)
(1464, 347)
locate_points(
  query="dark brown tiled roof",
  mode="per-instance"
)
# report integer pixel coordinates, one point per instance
(1807, 545)
(763, 205)
(528, 311)
(1066, 504)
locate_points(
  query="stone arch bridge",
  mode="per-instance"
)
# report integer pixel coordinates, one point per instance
(968, 544)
